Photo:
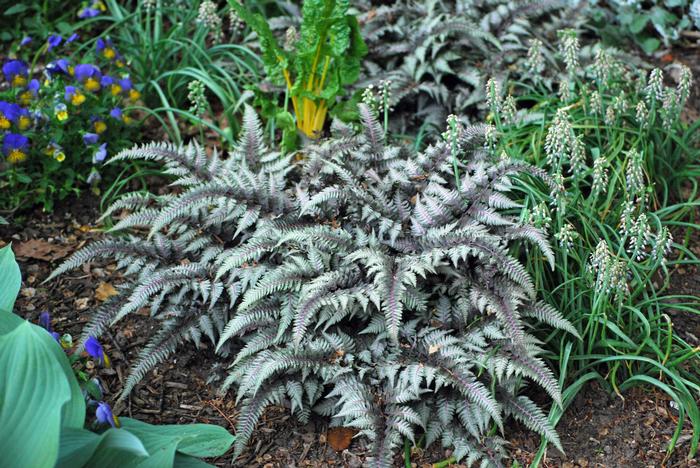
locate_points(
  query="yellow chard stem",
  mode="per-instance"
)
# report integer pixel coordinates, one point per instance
(319, 119)
(285, 72)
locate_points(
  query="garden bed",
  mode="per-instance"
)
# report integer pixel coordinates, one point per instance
(493, 243)
(599, 429)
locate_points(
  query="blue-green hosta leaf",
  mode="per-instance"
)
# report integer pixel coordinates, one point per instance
(33, 390)
(164, 442)
(185, 461)
(114, 447)
(10, 279)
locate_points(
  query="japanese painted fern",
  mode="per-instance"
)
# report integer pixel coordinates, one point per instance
(366, 283)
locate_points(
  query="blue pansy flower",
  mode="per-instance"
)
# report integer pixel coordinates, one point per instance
(89, 75)
(94, 349)
(84, 71)
(9, 113)
(26, 40)
(15, 72)
(104, 415)
(106, 48)
(58, 66)
(54, 41)
(14, 147)
(73, 37)
(126, 84)
(45, 322)
(106, 81)
(34, 86)
(88, 12)
(69, 92)
(90, 138)
(116, 113)
(101, 154)
(24, 120)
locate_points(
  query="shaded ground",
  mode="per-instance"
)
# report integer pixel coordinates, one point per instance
(598, 430)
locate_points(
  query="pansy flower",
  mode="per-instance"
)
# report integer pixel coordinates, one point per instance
(45, 323)
(96, 7)
(134, 95)
(54, 41)
(14, 147)
(24, 121)
(89, 75)
(105, 47)
(32, 91)
(55, 151)
(57, 67)
(26, 40)
(90, 138)
(61, 112)
(95, 350)
(106, 81)
(74, 95)
(104, 415)
(94, 178)
(73, 37)
(15, 72)
(9, 113)
(116, 113)
(88, 12)
(113, 85)
(101, 154)
(98, 125)
(128, 87)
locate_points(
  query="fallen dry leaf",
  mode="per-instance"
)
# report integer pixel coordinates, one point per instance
(104, 291)
(82, 303)
(339, 438)
(41, 250)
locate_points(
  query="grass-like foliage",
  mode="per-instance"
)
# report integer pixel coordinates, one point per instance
(172, 46)
(625, 167)
(366, 283)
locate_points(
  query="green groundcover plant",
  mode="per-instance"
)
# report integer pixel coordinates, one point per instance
(43, 410)
(650, 24)
(60, 119)
(625, 168)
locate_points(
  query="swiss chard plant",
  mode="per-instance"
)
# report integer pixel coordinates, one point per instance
(43, 410)
(315, 65)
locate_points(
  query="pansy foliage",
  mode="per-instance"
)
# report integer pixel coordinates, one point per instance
(58, 121)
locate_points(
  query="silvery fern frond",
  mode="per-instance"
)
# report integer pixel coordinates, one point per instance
(368, 282)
